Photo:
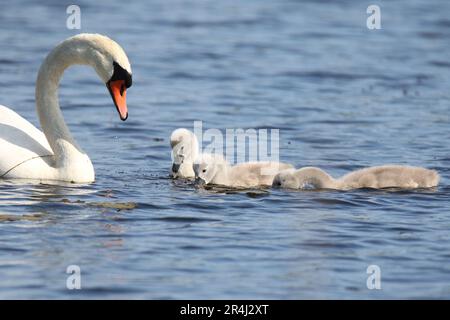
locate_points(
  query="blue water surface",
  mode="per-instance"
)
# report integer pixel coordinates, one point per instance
(343, 96)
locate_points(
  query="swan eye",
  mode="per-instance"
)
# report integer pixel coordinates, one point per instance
(120, 73)
(204, 170)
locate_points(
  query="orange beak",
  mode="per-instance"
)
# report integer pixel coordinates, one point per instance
(118, 92)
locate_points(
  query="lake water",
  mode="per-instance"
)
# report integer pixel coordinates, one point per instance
(343, 96)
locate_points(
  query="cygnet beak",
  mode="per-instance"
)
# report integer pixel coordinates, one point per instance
(175, 167)
(276, 184)
(199, 181)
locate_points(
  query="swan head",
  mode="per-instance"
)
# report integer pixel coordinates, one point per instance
(184, 145)
(207, 166)
(286, 179)
(109, 61)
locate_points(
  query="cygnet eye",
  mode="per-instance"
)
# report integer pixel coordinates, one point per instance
(204, 170)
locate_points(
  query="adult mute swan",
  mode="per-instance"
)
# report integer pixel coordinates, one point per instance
(28, 153)
(214, 169)
(185, 150)
(387, 176)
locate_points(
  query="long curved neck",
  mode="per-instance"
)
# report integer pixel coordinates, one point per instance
(50, 116)
(315, 176)
(193, 149)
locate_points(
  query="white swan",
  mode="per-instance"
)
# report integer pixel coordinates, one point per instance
(214, 169)
(28, 153)
(185, 150)
(387, 176)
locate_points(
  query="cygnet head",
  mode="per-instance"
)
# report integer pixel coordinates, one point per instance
(286, 179)
(184, 145)
(207, 166)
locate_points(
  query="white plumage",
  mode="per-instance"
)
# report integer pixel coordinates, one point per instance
(212, 169)
(27, 152)
(185, 150)
(388, 176)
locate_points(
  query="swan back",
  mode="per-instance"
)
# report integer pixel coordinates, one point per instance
(256, 173)
(388, 176)
(20, 141)
(391, 176)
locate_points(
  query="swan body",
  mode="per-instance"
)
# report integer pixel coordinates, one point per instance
(185, 150)
(388, 176)
(52, 154)
(213, 169)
